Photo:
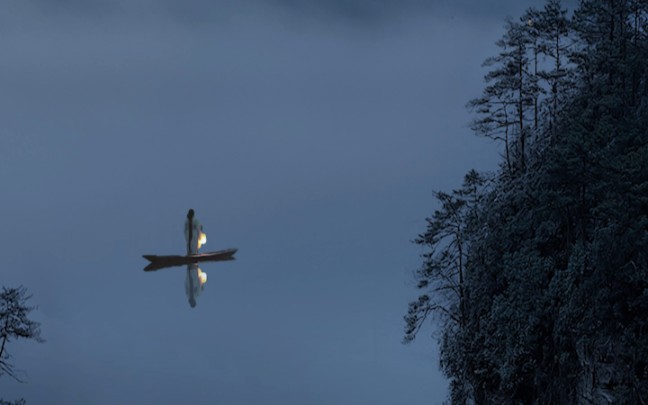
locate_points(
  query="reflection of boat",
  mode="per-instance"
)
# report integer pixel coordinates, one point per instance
(196, 278)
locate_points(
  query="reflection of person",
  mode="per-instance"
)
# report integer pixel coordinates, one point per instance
(194, 283)
(193, 233)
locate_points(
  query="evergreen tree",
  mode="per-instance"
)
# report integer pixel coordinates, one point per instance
(504, 105)
(15, 324)
(555, 39)
(443, 274)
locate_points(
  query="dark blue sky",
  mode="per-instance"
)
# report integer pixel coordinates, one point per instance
(310, 135)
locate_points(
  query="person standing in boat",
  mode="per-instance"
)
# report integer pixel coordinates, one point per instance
(195, 238)
(194, 235)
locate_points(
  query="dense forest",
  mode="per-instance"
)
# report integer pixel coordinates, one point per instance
(537, 274)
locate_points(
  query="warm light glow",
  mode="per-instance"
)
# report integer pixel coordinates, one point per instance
(202, 239)
(202, 276)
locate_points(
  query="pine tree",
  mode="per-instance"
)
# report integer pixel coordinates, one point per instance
(443, 274)
(555, 41)
(14, 324)
(508, 109)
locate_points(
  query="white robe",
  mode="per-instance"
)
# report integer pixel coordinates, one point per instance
(196, 233)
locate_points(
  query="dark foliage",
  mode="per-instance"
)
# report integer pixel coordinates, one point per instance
(552, 297)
